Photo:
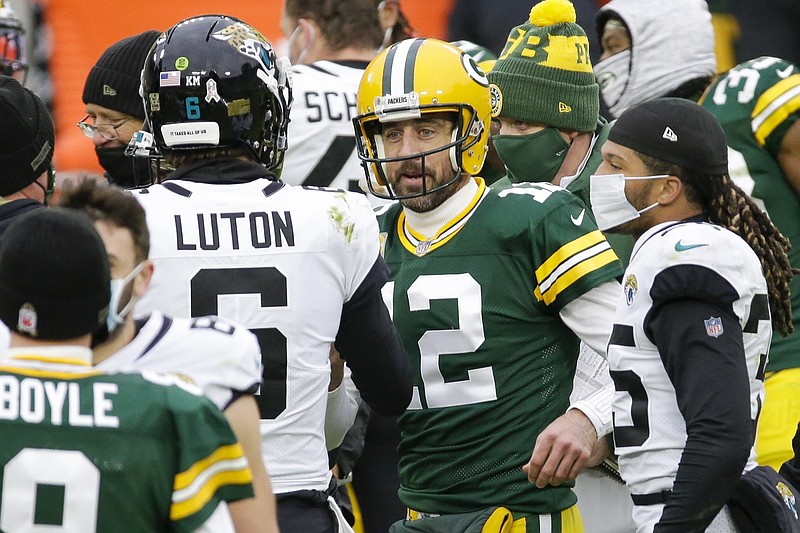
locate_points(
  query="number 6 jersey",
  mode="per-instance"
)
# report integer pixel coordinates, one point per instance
(300, 268)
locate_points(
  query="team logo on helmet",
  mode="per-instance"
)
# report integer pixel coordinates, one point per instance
(474, 70)
(248, 41)
(27, 320)
(630, 289)
(497, 100)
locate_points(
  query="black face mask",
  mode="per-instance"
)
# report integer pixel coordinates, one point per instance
(124, 171)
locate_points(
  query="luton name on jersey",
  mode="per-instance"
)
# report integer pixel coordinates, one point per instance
(261, 230)
(34, 400)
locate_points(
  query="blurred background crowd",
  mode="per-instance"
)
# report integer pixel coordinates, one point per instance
(64, 38)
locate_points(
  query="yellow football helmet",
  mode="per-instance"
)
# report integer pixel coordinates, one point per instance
(415, 77)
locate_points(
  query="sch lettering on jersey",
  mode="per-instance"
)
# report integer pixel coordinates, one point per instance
(258, 229)
(58, 402)
(336, 106)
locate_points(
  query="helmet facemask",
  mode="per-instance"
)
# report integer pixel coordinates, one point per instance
(412, 80)
(372, 151)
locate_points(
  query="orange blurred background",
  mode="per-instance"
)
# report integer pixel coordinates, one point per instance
(83, 29)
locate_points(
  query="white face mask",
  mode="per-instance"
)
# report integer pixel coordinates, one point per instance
(612, 75)
(115, 316)
(609, 203)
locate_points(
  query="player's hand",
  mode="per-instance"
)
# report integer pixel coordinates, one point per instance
(337, 370)
(562, 450)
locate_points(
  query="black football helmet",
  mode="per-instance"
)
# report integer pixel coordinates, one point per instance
(215, 81)
(12, 59)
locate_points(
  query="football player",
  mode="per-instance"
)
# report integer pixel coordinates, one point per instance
(692, 328)
(299, 267)
(758, 105)
(217, 356)
(83, 450)
(491, 292)
(330, 44)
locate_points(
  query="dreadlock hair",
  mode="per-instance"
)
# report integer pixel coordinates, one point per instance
(730, 207)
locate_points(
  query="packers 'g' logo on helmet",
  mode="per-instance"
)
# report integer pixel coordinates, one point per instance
(417, 77)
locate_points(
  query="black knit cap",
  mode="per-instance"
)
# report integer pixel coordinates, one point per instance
(54, 275)
(674, 130)
(114, 80)
(27, 136)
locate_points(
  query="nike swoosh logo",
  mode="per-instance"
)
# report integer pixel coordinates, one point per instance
(579, 220)
(785, 72)
(680, 247)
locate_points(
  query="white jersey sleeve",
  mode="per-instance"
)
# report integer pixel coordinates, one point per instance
(222, 359)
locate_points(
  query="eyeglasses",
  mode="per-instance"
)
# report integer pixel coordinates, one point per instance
(106, 131)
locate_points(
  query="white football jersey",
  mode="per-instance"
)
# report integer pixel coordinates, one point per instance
(281, 261)
(649, 429)
(322, 146)
(220, 358)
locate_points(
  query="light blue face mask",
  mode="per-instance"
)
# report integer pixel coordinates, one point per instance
(115, 317)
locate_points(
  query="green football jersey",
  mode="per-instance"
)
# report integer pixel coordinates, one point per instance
(621, 244)
(477, 308)
(88, 451)
(756, 102)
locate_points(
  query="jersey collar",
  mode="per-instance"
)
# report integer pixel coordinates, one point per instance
(417, 243)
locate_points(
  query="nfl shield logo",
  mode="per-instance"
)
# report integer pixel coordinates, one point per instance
(423, 248)
(714, 327)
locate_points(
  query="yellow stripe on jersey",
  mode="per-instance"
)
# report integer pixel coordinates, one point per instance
(197, 485)
(774, 107)
(36, 373)
(576, 272)
(569, 263)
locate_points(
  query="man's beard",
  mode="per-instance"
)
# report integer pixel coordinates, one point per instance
(426, 202)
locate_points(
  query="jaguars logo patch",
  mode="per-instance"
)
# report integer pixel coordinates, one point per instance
(788, 498)
(497, 100)
(630, 289)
